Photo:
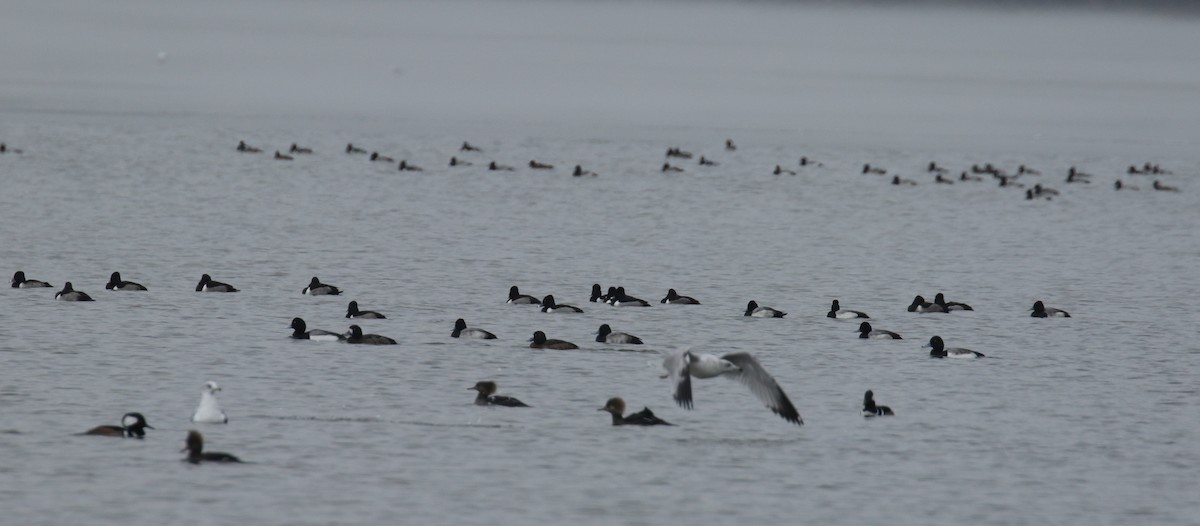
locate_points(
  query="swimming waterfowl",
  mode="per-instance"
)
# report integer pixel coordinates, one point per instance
(1041, 311)
(466, 147)
(920, 305)
(597, 295)
(616, 406)
(455, 161)
(19, 282)
(207, 284)
(964, 177)
(934, 168)
(196, 453)
(606, 335)
(805, 161)
(461, 330)
(133, 425)
(4, 148)
(209, 411)
(674, 297)
(940, 299)
(499, 167)
(939, 350)
(375, 156)
(1122, 186)
(729, 146)
(355, 335)
(299, 149)
(353, 312)
(350, 148)
(836, 311)
(548, 305)
(246, 148)
(753, 310)
(707, 162)
(540, 166)
(487, 396)
(116, 283)
(666, 167)
(867, 332)
(1007, 182)
(539, 341)
(68, 293)
(942, 180)
(516, 298)
(1024, 170)
(580, 172)
(896, 180)
(1164, 188)
(676, 152)
(282, 157)
(316, 288)
(1029, 195)
(621, 299)
(684, 365)
(300, 332)
(871, 410)
(779, 170)
(868, 169)
(1042, 190)
(405, 167)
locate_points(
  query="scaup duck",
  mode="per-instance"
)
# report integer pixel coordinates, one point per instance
(455, 161)
(606, 335)
(116, 283)
(779, 170)
(461, 330)
(1041, 311)
(1122, 186)
(805, 161)
(684, 365)
(942, 180)
(353, 312)
(355, 335)
(964, 177)
(1164, 188)
(375, 156)
(467, 147)
(939, 350)
(753, 310)
(196, 453)
(133, 425)
(1043, 190)
(539, 341)
(868, 169)
(246, 148)
(516, 298)
(616, 406)
(207, 284)
(729, 146)
(896, 180)
(865, 331)
(209, 411)
(871, 410)
(676, 152)
(548, 305)
(836, 311)
(674, 298)
(405, 167)
(920, 305)
(19, 282)
(316, 288)
(499, 167)
(934, 168)
(300, 332)
(624, 300)
(1024, 170)
(350, 148)
(299, 149)
(597, 295)
(940, 299)
(708, 162)
(68, 293)
(580, 172)
(540, 166)
(666, 167)
(5, 149)
(487, 396)
(282, 157)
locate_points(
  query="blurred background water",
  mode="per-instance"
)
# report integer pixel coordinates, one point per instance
(128, 113)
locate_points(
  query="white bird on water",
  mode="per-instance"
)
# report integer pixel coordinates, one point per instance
(209, 411)
(684, 364)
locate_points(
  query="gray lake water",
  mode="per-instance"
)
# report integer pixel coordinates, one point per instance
(130, 166)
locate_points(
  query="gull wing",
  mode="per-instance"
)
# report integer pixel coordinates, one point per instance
(763, 386)
(678, 365)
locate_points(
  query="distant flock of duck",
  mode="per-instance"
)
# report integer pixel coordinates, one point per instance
(681, 366)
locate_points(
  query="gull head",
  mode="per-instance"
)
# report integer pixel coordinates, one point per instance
(211, 387)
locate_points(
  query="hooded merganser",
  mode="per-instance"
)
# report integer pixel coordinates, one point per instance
(316, 288)
(461, 330)
(133, 425)
(115, 283)
(487, 396)
(209, 411)
(616, 407)
(353, 312)
(207, 284)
